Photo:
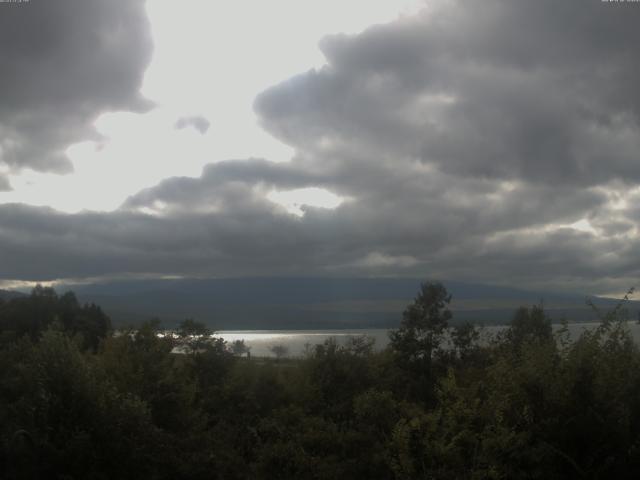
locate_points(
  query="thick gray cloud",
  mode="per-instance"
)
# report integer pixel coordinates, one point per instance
(220, 224)
(466, 140)
(504, 90)
(64, 62)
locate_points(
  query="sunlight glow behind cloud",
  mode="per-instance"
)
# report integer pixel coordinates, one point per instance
(295, 200)
(210, 60)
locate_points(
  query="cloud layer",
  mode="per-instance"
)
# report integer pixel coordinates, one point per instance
(64, 63)
(494, 142)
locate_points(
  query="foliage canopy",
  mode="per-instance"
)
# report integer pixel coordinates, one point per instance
(77, 402)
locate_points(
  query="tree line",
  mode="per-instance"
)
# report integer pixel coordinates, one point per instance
(77, 402)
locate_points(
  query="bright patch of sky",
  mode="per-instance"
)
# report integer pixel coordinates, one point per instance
(295, 200)
(210, 60)
(583, 225)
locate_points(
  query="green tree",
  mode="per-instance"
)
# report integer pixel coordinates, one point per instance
(465, 339)
(33, 314)
(337, 374)
(240, 348)
(58, 409)
(423, 324)
(190, 327)
(194, 335)
(279, 350)
(421, 331)
(529, 324)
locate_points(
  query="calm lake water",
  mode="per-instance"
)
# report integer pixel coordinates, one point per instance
(295, 341)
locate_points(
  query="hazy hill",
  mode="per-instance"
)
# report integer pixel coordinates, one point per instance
(312, 303)
(9, 294)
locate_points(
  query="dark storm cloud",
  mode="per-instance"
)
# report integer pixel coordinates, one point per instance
(64, 62)
(510, 90)
(220, 224)
(466, 141)
(242, 234)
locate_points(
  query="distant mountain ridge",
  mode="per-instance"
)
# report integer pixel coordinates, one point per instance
(9, 294)
(314, 303)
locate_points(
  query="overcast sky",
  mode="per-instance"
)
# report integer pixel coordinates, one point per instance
(494, 142)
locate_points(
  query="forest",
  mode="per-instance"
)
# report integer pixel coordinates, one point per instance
(80, 401)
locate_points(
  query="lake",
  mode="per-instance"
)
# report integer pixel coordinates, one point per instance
(295, 341)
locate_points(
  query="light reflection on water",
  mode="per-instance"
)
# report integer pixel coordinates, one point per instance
(260, 341)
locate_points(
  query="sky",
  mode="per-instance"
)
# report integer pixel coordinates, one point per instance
(494, 142)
